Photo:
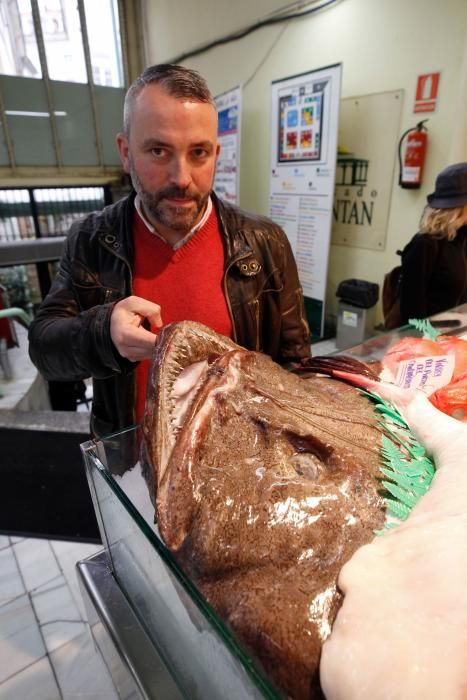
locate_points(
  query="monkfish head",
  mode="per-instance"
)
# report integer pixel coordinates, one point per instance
(265, 483)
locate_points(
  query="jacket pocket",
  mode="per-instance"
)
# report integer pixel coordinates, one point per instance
(89, 290)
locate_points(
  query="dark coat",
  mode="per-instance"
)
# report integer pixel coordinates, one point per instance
(70, 335)
(434, 275)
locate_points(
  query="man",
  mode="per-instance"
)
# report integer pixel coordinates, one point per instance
(170, 251)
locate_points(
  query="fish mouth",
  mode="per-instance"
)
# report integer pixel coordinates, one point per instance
(182, 357)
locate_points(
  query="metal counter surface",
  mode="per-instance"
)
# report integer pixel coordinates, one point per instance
(136, 668)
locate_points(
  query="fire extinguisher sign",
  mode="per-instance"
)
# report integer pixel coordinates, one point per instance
(426, 93)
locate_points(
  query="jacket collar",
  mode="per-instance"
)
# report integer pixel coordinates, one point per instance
(230, 226)
(117, 222)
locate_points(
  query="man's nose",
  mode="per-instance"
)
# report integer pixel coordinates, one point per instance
(180, 173)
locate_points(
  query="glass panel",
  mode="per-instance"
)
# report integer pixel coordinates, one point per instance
(16, 222)
(76, 127)
(202, 655)
(59, 207)
(4, 157)
(18, 46)
(63, 41)
(104, 42)
(109, 105)
(28, 118)
(451, 322)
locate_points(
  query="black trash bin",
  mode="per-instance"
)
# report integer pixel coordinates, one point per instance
(356, 311)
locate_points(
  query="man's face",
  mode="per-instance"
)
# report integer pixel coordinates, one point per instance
(171, 154)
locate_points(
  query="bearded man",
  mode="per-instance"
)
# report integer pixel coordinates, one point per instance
(170, 251)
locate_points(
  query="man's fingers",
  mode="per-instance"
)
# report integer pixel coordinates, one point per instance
(132, 340)
(146, 337)
(138, 345)
(155, 319)
(391, 392)
(357, 379)
(142, 307)
(439, 433)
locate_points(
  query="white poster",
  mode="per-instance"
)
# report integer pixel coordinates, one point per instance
(226, 182)
(305, 116)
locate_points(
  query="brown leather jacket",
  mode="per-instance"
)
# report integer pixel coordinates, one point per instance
(69, 338)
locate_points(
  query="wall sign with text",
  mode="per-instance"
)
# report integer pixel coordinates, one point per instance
(304, 122)
(226, 181)
(368, 137)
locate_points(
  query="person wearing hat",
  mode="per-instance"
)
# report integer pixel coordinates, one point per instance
(434, 262)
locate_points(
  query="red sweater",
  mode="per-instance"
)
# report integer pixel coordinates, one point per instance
(186, 283)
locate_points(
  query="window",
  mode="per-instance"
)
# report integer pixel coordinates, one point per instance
(104, 41)
(63, 40)
(61, 29)
(18, 45)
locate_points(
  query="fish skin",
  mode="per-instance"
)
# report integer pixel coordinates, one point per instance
(268, 489)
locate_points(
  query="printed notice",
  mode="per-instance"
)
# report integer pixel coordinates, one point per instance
(226, 182)
(304, 122)
(425, 373)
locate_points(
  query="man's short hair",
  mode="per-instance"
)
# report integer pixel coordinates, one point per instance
(177, 81)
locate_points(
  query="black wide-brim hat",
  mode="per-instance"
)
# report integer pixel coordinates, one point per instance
(450, 188)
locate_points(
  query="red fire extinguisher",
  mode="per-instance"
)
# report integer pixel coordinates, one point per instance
(411, 170)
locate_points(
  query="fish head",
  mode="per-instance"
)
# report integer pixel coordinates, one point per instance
(267, 483)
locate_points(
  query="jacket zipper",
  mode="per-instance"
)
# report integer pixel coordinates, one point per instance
(226, 293)
(124, 261)
(257, 345)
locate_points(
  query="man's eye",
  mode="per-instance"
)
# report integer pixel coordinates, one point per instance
(158, 152)
(199, 153)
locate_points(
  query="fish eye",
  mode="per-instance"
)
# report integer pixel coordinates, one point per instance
(306, 465)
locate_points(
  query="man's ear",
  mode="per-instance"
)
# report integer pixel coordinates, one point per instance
(122, 145)
(218, 150)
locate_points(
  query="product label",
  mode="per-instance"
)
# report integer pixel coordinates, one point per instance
(350, 318)
(410, 174)
(425, 373)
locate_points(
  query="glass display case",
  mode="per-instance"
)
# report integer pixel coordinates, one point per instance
(169, 638)
(197, 649)
(453, 322)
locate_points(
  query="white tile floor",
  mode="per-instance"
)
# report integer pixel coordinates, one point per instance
(46, 650)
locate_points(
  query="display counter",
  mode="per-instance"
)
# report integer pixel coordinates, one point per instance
(453, 322)
(192, 645)
(156, 632)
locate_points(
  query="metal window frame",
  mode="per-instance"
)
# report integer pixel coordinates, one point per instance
(59, 168)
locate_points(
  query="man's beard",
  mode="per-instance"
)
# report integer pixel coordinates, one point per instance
(176, 218)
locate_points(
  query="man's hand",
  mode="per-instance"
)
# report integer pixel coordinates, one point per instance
(128, 335)
(442, 436)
